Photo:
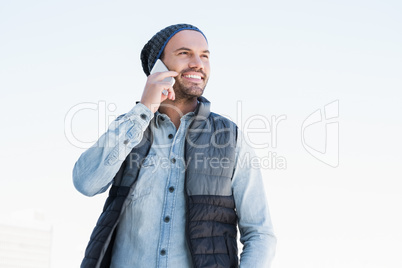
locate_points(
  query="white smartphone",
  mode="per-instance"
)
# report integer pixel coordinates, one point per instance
(161, 67)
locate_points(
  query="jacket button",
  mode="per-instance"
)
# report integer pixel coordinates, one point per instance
(171, 189)
(143, 116)
(163, 252)
(173, 160)
(170, 136)
(167, 219)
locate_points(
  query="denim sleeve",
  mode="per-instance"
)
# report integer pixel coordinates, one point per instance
(96, 167)
(256, 230)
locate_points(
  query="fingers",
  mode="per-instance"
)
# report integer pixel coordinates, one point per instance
(170, 91)
(153, 91)
(162, 75)
(171, 94)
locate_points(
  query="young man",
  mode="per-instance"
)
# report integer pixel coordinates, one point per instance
(180, 186)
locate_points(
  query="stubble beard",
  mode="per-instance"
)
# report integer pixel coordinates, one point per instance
(189, 91)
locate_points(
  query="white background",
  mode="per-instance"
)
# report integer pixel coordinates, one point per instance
(274, 57)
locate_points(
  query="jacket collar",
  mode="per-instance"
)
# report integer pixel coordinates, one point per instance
(202, 112)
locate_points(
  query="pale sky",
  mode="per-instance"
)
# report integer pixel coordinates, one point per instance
(268, 59)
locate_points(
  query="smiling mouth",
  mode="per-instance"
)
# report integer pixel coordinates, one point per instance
(193, 76)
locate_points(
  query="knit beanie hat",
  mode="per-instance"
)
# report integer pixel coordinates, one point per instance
(155, 46)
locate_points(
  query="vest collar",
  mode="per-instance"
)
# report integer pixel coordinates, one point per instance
(203, 108)
(201, 112)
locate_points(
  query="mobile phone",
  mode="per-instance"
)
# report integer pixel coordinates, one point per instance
(161, 67)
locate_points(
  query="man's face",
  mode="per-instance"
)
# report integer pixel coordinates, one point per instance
(187, 53)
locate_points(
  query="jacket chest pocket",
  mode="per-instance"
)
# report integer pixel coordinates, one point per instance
(143, 185)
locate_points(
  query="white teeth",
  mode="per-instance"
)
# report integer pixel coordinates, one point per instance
(193, 76)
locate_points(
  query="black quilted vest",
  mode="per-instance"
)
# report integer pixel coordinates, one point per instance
(211, 217)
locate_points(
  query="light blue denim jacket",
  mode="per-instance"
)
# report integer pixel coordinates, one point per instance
(151, 232)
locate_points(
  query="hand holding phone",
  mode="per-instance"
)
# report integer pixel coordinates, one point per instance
(158, 87)
(161, 67)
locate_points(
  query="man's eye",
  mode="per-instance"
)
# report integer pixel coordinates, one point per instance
(183, 53)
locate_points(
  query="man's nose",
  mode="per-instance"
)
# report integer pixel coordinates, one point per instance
(196, 62)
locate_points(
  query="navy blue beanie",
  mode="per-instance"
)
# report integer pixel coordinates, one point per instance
(155, 46)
